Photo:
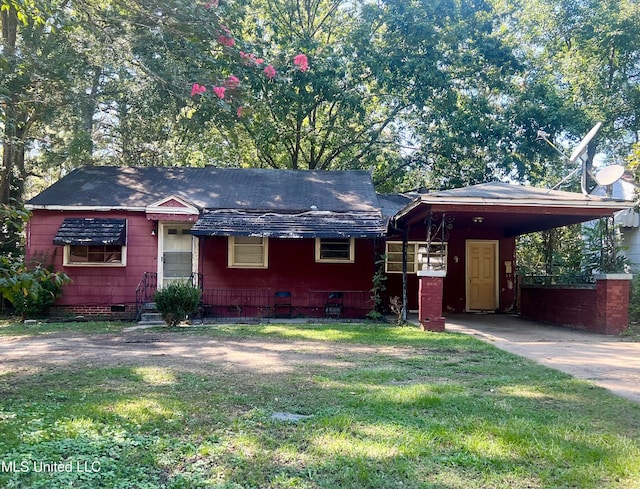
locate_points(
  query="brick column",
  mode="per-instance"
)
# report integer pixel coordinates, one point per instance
(430, 297)
(612, 302)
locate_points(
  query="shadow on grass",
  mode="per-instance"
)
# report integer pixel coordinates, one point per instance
(362, 333)
(441, 416)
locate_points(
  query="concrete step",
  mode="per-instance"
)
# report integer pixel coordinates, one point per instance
(151, 317)
(149, 306)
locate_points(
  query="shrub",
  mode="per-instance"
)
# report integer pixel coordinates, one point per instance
(31, 287)
(177, 301)
(37, 303)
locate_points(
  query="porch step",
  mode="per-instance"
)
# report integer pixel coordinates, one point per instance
(150, 318)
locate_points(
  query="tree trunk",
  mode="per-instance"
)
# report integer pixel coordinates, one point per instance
(9, 18)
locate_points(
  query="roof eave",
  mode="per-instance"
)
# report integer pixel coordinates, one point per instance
(470, 201)
(592, 204)
(82, 208)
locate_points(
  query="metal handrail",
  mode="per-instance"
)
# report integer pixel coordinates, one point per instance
(144, 291)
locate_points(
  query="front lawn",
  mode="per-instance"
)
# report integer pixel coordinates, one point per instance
(387, 407)
(18, 328)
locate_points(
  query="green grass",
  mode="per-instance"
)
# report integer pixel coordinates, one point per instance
(13, 328)
(417, 410)
(632, 333)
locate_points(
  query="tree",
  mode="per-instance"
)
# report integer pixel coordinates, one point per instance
(319, 112)
(588, 52)
(462, 84)
(19, 282)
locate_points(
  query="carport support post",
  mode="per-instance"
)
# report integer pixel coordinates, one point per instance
(612, 302)
(430, 306)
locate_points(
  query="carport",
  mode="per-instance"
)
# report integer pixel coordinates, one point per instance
(463, 242)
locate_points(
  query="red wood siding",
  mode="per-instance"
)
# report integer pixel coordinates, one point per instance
(292, 267)
(96, 286)
(454, 294)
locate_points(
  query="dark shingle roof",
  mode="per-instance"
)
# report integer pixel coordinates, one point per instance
(233, 201)
(213, 188)
(92, 232)
(310, 224)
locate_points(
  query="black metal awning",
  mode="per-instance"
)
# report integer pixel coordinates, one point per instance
(311, 224)
(91, 232)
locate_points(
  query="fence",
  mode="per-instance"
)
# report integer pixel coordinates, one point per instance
(237, 303)
(267, 303)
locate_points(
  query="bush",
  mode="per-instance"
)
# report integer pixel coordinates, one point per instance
(37, 303)
(177, 301)
(31, 287)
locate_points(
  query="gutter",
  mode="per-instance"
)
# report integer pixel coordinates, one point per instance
(100, 208)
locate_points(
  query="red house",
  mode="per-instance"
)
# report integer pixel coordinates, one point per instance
(258, 242)
(287, 243)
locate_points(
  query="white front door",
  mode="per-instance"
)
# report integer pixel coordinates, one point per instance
(176, 253)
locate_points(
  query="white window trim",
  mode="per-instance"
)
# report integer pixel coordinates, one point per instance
(231, 263)
(195, 248)
(66, 260)
(416, 265)
(352, 253)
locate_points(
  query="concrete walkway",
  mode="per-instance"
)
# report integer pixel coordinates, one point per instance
(607, 361)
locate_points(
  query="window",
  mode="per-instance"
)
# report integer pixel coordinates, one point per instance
(435, 259)
(335, 250)
(416, 251)
(95, 255)
(248, 252)
(90, 242)
(394, 257)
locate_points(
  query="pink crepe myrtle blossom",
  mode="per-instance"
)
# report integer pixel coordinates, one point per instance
(197, 89)
(213, 3)
(270, 72)
(232, 82)
(239, 111)
(226, 40)
(301, 62)
(219, 91)
(250, 57)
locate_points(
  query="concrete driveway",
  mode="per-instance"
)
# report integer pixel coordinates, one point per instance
(607, 361)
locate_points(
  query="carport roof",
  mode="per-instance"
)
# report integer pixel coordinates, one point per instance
(516, 209)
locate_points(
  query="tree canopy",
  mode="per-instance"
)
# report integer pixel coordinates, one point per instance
(435, 93)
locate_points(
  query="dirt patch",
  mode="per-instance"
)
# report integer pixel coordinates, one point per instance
(179, 351)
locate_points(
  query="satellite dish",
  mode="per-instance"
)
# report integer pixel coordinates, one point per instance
(582, 147)
(609, 175)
